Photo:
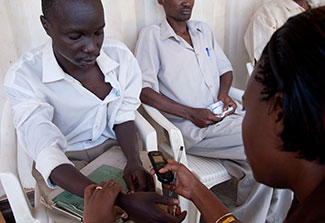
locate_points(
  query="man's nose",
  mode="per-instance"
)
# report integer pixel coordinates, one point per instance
(187, 2)
(89, 46)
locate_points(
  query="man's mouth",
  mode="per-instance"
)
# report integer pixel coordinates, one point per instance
(89, 60)
(186, 11)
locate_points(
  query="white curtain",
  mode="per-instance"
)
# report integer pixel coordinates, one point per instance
(21, 29)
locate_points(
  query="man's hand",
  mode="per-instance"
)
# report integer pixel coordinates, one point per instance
(143, 207)
(202, 117)
(99, 203)
(137, 178)
(227, 102)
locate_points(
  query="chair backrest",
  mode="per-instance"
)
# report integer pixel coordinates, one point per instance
(9, 173)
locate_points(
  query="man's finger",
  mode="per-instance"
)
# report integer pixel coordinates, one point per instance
(182, 216)
(215, 119)
(120, 212)
(166, 200)
(150, 183)
(173, 219)
(129, 182)
(225, 106)
(141, 178)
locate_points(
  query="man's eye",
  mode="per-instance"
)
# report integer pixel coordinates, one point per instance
(74, 37)
(99, 32)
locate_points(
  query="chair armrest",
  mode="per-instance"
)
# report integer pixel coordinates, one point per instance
(10, 180)
(236, 94)
(147, 132)
(174, 134)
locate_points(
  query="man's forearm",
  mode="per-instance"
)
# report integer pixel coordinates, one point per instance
(126, 136)
(225, 83)
(70, 179)
(162, 103)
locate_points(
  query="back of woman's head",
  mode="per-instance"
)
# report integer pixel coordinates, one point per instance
(294, 65)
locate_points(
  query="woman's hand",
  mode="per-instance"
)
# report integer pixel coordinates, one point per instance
(145, 207)
(99, 202)
(185, 182)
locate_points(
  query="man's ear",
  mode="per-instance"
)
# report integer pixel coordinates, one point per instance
(46, 25)
(278, 114)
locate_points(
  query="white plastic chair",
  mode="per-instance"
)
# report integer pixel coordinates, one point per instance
(19, 203)
(209, 171)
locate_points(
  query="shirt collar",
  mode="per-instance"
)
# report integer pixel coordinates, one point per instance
(51, 69)
(107, 65)
(167, 31)
(53, 72)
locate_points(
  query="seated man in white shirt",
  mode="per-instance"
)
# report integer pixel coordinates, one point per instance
(270, 17)
(184, 71)
(75, 93)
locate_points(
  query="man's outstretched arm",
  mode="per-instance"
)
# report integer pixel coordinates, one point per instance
(201, 117)
(70, 179)
(135, 176)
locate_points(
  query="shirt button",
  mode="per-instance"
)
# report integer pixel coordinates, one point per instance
(96, 126)
(210, 86)
(197, 54)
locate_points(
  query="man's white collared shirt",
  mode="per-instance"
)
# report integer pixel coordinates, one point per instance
(54, 113)
(267, 19)
(187, 75)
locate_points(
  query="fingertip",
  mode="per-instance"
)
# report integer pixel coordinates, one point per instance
(124, 215)
(175, 201)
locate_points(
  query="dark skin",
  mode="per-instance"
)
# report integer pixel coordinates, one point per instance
(178, 12)
(76, 29)
(303, 3)
(188, 186)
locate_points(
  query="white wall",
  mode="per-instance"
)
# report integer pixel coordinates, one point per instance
(22, 31)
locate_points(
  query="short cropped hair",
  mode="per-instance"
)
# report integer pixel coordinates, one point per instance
(47, 5)
(294, 65)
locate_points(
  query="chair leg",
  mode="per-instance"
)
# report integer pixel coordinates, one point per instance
(193, 214)
(41, 212)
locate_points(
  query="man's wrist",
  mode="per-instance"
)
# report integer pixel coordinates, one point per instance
(223, 94)
(187, 114)
(121, 199)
